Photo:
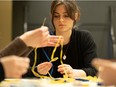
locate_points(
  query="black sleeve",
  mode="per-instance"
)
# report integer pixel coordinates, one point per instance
(29, 74)
(2, 73)
(89, 52)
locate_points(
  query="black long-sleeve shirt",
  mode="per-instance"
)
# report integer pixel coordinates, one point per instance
(79, 53)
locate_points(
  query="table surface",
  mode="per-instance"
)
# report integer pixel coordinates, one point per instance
(48, 83)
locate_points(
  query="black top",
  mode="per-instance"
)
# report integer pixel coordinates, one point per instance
(79, 53)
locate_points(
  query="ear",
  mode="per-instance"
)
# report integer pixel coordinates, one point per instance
(76, 16)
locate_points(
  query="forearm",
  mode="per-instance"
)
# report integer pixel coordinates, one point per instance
(16, 47)
(79, 73)
(27, 52)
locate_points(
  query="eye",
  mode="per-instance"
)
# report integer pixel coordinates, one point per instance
(56, 16)
(66, 15)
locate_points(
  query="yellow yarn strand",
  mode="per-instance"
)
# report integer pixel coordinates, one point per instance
(61, 52)
(37, 74)
(52, 60)
(35, 60)
(54, 50)
(50, 76)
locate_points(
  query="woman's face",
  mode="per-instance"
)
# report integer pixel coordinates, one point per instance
(61, 20)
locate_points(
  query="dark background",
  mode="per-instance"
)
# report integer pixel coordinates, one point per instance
(99, 17)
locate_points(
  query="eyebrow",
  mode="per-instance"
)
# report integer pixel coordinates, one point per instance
(58, 13)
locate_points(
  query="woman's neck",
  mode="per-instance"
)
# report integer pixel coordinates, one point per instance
(66, 35)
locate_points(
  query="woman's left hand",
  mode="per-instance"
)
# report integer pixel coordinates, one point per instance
(65, 68)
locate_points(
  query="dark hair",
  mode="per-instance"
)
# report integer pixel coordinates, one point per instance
(70, 6)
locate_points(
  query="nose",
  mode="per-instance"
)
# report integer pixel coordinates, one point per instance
(61, 19)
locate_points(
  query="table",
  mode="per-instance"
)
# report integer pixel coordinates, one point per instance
(48, 83)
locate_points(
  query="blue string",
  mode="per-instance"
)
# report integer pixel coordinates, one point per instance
(48, 60)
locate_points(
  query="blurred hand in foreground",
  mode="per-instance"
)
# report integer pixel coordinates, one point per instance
(40, 37)
(106, 70)
(14, 66)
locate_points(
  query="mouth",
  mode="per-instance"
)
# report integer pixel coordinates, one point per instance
(62, 25)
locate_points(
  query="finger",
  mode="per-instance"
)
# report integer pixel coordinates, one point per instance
(60, 70)
(55, 39)
(51, 41)
(64, 71)
(44, 71)
(46, 33)
(44, 67)
(23, 71)
(45, 64)
(22, 66)
(52, 44)
(17, 74)
(44, 28)
(70, 75)
(25, 62)
(63, 65)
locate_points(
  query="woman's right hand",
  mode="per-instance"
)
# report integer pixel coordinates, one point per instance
(44, 67)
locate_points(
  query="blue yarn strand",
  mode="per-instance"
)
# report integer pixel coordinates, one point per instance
(49, 61)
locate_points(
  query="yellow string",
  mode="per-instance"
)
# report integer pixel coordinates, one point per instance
(52, 60)
(54, 50)
(50, 76)
(61, 52)
(33, 67)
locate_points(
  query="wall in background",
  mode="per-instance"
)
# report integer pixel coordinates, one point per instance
(5, 22)
(95, 17)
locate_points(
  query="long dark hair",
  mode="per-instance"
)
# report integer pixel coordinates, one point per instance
(70, 6)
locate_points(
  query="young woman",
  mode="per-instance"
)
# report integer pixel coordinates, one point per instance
(79, 47)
